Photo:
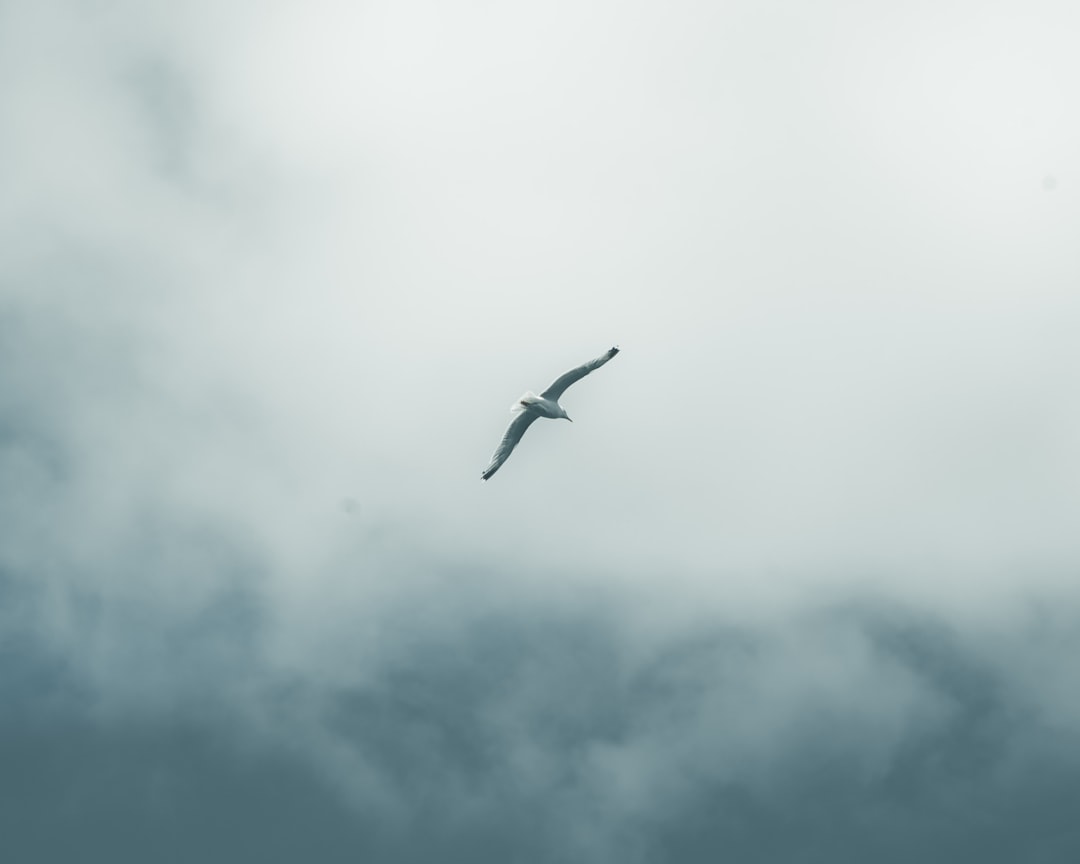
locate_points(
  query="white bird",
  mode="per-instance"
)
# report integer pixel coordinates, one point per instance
(530, 406)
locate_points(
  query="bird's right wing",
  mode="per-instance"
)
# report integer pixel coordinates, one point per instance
(559, 385)
(509, 441)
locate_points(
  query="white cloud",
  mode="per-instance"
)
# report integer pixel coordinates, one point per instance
(256, 261)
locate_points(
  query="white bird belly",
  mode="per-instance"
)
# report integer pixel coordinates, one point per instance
(538, 405)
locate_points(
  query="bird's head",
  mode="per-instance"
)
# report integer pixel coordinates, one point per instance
(564, 415)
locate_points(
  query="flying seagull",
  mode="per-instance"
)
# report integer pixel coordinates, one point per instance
(530, 406)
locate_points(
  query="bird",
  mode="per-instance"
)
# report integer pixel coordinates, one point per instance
(530, 406)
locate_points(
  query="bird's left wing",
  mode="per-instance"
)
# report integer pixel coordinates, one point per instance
(509, 441)
(559, 385)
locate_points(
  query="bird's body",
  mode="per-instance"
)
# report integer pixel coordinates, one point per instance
(530, 406)
(540, 406)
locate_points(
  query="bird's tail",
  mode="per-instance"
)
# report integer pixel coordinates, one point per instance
(524, 402)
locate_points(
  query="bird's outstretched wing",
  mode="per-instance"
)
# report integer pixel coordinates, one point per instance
(559, 385)
(509, 441)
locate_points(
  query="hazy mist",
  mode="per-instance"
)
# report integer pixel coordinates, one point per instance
(798, 584)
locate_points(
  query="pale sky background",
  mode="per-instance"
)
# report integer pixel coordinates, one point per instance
(798, 584)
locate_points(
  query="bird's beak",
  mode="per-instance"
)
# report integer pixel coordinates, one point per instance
(569, 419)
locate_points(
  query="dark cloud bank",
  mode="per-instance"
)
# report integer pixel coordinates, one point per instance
(545, 735)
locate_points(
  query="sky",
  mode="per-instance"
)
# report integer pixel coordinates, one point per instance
(798, 584)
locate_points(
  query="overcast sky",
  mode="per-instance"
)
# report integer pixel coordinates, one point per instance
(798, 584)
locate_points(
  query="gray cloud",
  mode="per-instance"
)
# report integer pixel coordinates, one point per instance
(798, 583)
(541, 734)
